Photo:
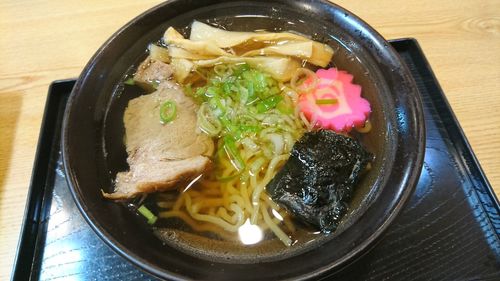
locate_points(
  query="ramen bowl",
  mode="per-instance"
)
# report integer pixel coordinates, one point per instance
(93, 149)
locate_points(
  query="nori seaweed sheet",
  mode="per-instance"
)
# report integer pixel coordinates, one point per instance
(317, 181)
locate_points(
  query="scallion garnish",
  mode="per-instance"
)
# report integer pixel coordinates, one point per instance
(147, 214)
(326, 101)
(238, 105)
(129, 81)
(268, 103)
(233, 153)
(168, 111)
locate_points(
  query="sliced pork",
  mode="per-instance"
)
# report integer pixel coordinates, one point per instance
(161, 156)
(151, 72)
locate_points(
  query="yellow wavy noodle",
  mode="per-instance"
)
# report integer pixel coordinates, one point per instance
(197, 226)
(277, 231)
(228, 204)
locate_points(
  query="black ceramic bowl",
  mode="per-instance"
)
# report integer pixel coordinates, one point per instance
(93, 148)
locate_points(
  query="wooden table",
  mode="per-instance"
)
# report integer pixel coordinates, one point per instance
(41, 41)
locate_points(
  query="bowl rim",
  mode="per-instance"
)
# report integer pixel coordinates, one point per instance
(397, 204)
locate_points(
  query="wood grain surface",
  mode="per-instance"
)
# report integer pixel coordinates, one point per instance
(41, 41)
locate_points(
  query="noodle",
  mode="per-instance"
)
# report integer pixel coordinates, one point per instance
(277, 231)
(225, 205)
(310, 77)
(195, 225)
(309, 125)
(246, 196)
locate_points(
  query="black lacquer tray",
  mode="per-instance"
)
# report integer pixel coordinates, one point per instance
(449, 230)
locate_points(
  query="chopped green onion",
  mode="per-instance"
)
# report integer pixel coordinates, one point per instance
(284, 109)
(168, 111)
(260, 80)
(269, 103)
(243, 130)
(240, 103)
(129, 81)
(217, 103)
(233, 153)
(240, 69)
(200, 92)
(227, 88)
(155, 84)
(207, 122)
(147, 214)
(250, 128)
(226, 123)
(250, 89)
(188, 90)
(257, 166)
(326, 101)
(274, 91)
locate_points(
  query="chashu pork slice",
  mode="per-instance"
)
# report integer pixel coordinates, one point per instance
(151, 72)
(161, 155)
